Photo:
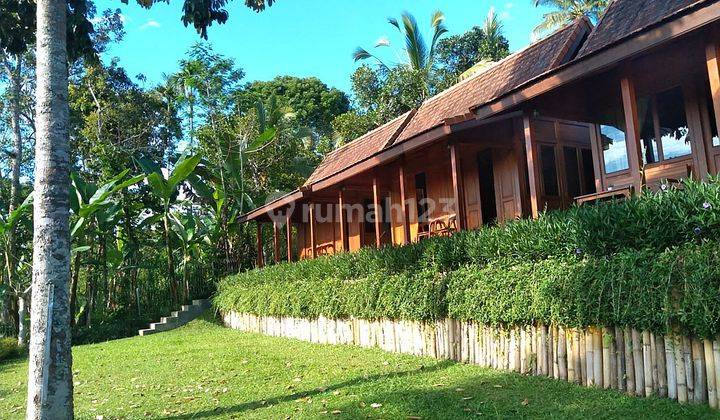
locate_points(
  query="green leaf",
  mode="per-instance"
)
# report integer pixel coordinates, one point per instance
(182, 170)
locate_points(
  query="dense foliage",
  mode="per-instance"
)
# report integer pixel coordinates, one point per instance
(649, 262)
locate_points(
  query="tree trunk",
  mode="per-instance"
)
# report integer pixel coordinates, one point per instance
(50, 385)
(22, 314)
(73, 288)
(171, 263)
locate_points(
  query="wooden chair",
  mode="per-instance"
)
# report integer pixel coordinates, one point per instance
(325, 249)
(614, 194)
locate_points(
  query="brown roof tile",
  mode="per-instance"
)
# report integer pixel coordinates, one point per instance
(359, 149)
(624, 18)
(499, 79)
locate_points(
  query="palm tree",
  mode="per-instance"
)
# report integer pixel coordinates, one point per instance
(493, 30)
(420, 57)
(50, 384)
(566, 11)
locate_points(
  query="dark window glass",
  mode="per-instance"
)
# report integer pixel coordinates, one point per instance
(612, 136)
(588, 172)
(369, 220)
(648, 140)
(572, 171)
(421, 197)
(673, 126)
(549, 172)
(711, 119)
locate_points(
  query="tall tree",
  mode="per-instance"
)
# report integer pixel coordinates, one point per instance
(50, 367)
(566, 11)
(420, 54)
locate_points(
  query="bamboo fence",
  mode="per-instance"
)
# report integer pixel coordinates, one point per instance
(638, 363)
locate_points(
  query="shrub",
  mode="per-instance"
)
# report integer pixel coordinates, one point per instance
(649, 262)
(9, 348)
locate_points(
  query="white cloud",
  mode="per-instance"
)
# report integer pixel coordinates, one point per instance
(382, 42)
(150, 24)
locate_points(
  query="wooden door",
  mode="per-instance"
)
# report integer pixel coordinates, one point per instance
(471, 187)
(507, 185)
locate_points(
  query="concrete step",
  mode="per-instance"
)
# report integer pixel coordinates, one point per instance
(178, 318)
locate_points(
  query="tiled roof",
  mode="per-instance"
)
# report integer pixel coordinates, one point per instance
(624, 18)
(499, 79)
(359, 149)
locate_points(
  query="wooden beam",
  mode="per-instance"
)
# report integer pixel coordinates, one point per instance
(632, 131)
(403, 203)
(313, 251)
(343, 221)
(260, 262)
(604, 59)
(376, 210)
(288, 236)
(532, 168)
(276, 242)
(455, 167)
(713, 67)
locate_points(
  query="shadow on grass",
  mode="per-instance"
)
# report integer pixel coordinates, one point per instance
(509, 395)
(252, 405)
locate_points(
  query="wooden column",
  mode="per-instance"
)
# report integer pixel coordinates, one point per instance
(376, 210)
(632, 131)
(456, 181)
(260, 258)
(532, 168)
(288, 236)
(313, 252)
(403, 203)
(713, 66)
(276, 242)
(343, 221)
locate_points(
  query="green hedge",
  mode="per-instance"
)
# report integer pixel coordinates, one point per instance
(650, 262)
(9, 348)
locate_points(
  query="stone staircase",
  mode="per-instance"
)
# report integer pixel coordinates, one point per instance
(178, 318)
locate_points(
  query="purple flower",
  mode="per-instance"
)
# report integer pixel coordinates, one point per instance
(664, 187)
(578, 251)
(707, 206)
(697, 231)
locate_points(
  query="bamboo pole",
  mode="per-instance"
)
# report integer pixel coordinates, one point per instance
(577, 356)
(662, 386)
(716, 361)
(710, 374)
(582, 353)
(607, 357)
(647, 363)
(682, 394)
(562, 353)
(698, 358)
(570, 351)
(638, 362)
(629, 362)
(589, 359)
(670, 366)
(687, 359)
(555, 351)
(619, 359)
(597, 342)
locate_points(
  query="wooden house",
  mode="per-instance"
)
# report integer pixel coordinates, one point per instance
(585, 114)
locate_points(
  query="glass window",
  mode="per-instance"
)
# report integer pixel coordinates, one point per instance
(549, 171)
(711, 118)
(672, 123)
(588, 172)
(612, 138)
(572, 172)
(648, 139)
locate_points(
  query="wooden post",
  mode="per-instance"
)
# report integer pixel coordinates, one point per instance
(710, 373)
(313, 245)
(276, 242)
(403, 203)
(260, 258)
(376, 210)
(456, 181)
(532, 162)
(343, 221)
(632, 128)
(713, 66)
(288, 236)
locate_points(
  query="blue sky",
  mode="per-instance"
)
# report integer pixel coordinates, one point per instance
(299, 37)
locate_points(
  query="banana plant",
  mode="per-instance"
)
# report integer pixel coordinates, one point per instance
(91, 203)
(192, 232)
(166, 190)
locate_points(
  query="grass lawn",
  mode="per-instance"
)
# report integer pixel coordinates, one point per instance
(205, 371)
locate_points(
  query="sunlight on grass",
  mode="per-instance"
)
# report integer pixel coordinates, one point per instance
(205, 371)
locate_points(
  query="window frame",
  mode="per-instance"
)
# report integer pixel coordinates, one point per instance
(652, 96)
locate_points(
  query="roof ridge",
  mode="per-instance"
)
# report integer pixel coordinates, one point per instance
(498, 63)
(400, 129)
